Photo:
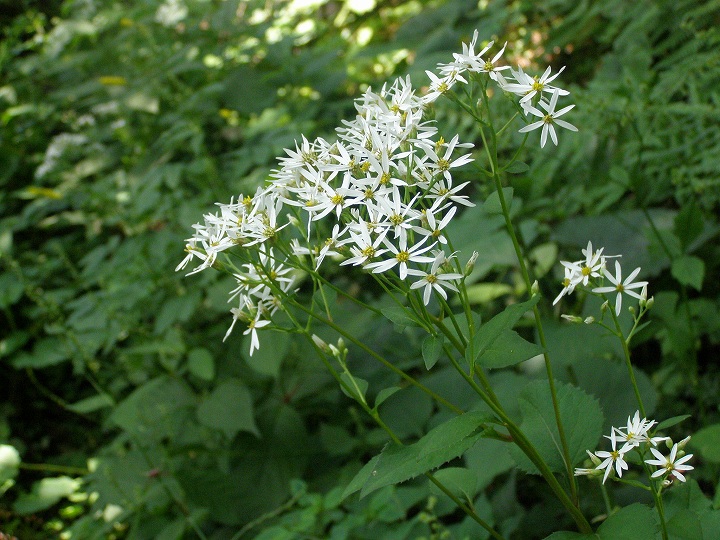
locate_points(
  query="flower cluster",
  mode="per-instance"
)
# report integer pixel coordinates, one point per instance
(636, 437)
(380, 197)
(593, 267)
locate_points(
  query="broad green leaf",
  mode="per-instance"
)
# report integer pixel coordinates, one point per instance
(685, 525)
(492, 203)
(46, 352)
(630, 523)
(482, 293)
(229, 408)
(356, 387)
(400, 463)
(707, 442)
(11, 289)
(400, 316)
(689, 270)
(688, 224)
(201, 364)
(269, 357)
(581, 417)
(507, 350)
(460, 481)
(384, 394)
(672, 421)
(91, 404)
(491, 330)
(517, 167)
(157, 409)
(568, 535)
(173, 531)
(45, 494)
(432, 348)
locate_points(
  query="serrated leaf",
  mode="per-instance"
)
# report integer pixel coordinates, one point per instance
(508, 349)
(489, 332)
(689, 270)
(461, 482)
(581, 417)
(229, 409)
(630, 523)
(432, 348)
(672, 421)
(400, 463)
(492, 203)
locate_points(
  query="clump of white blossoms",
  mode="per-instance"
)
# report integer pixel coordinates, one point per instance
(380, 198)
(594, 267)
(636, 437)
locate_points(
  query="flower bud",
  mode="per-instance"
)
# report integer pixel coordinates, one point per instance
(682, 443)
(650, 302)
(596, 460)
(471, 264)
(320, 343)
(572, 318)
(589, 320)
(535, 288)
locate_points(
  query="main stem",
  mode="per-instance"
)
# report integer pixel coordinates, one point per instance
(492, 155)
(628, 363)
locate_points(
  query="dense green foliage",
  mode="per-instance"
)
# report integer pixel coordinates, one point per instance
(133, 419)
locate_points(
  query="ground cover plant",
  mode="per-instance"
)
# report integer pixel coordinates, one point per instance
(472, 283)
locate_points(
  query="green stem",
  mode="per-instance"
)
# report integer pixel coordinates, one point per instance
(383, 361)
(492, 155)
(628, 363)
(47, 467)
(529, 450)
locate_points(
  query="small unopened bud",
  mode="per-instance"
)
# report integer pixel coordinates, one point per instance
(667, 482)
(589, 320)
(631, 309)
(295, 222)
(650, 302)
(471, 263)
(605, 306)
(320, 343)
(596, 460)
(572, 318)
(535, 288)
(682, 443)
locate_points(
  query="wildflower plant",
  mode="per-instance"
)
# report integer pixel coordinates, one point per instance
(379, 200)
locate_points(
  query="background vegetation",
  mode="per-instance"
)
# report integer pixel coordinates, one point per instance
(121, 123)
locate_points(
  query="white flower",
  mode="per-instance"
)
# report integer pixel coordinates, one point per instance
(434, 278)
(614, 457)
(529, 87)
(670, 465)
(403, 255)
(621, 286)
(549, 119)
(636, 432)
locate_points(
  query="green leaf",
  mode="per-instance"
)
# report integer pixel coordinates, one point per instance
(492, 203)
(201, 364)
(11, 289)
(400, 463)
(685, 525)
(508, 349)
(461, 482)
(269, 357)
(517, 167)
(157, 409)
(689, 270)
(630, 523)
(673, 421)
(581, 417)
(568, 535)
(91, 404)
(356, 387)
(688, 224)
(491, 330)
(229, 409)
(400, 316)
(432, 348)
(482, 293)
(46, 352)
(384, 394)
(707, 442)
(45, 494)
